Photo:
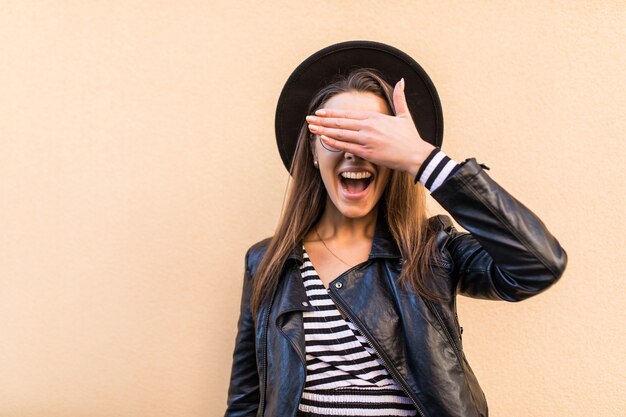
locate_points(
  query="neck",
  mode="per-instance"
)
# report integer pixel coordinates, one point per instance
(333, 225)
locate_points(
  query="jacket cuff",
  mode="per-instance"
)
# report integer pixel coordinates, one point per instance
(435, 169)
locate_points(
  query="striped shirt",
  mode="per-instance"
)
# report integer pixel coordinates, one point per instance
(345, 377)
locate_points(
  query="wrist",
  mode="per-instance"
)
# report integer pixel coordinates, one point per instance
(418, 157)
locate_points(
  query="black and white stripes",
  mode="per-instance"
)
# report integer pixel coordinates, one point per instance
(435, 169)
(344, 375)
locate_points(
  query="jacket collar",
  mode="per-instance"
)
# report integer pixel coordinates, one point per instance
(383, 244)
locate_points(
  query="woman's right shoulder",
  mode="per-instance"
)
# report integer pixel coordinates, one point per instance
(255, 253)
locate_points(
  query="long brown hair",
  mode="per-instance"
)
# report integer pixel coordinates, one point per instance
(403, 200)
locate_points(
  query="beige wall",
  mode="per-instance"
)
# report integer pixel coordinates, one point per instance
(137, 165)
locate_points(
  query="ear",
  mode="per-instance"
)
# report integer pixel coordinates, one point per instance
(312, 140)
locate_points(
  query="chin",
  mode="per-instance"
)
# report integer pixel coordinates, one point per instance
(354, 211)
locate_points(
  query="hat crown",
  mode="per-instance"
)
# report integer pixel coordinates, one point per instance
(324, 66)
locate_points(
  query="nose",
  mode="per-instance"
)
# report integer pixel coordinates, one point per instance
(350, 156)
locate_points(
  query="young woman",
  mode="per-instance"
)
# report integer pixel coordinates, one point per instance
(350, 308)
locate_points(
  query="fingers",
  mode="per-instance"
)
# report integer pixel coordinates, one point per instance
(352, 136)
(336, 122)
(346, 114)
(399, 99)
(343, 125)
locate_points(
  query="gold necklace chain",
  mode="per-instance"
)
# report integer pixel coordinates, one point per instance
(333, 253)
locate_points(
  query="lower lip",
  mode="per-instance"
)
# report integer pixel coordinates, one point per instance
(355, 196)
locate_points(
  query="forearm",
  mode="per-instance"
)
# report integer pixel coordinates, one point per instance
(524, 258)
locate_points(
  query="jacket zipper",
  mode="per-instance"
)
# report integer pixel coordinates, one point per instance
(375, 346)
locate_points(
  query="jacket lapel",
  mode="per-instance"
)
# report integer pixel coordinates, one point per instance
(291, 299)
(290, 302)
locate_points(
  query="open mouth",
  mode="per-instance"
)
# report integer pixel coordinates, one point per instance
(354, 185)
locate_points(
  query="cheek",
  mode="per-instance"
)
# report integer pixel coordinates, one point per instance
(328, 162)
(328, 166)
(385, 179)
(328, 177)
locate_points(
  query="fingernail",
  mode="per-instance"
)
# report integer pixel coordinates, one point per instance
(402, 83)
(321, 112)
(311, 119)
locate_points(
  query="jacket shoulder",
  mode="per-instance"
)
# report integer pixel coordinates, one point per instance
(255, 253)
(444, 230)
(441, 222)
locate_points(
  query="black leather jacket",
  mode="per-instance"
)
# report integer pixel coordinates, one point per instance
(508, 255)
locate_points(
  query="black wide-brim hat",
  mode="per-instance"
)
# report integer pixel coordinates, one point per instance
(324, 66)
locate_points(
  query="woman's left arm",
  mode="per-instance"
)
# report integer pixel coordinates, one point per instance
(509, 254)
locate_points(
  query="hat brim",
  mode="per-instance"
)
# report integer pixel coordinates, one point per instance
(324, 66)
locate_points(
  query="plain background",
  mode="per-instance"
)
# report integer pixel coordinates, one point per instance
(138, 164)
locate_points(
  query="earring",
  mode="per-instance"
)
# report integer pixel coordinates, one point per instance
(316, 164)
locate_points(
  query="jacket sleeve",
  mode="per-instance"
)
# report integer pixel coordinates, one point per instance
(243, 392)
(508, 253)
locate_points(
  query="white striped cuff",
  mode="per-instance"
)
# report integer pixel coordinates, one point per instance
(437, 170)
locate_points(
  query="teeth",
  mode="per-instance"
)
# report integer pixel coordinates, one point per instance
(356, 175)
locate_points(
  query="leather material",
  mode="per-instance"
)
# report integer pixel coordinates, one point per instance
(508, 255)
